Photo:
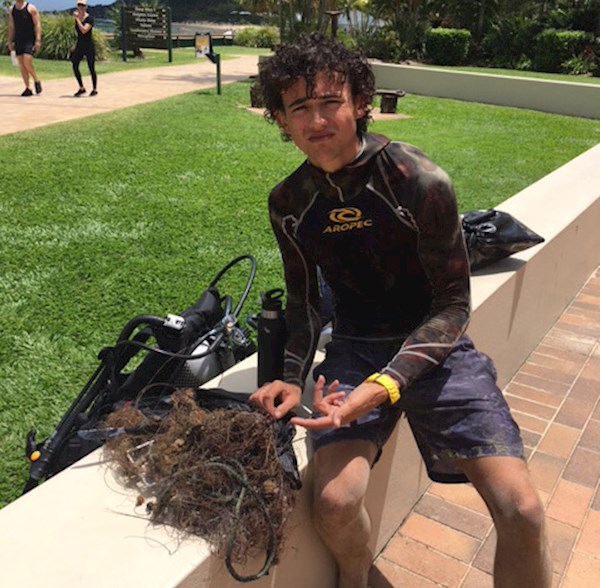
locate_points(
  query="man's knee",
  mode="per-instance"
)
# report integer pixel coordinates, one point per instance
(522, 513)
(506, 486)
(342, 472)
(335, 505)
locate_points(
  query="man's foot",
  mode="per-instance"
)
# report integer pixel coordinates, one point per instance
(94, 92)
(79, 92)
(27, 92)
(38, 87)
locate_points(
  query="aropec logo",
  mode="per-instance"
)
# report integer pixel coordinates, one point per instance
(346, 219)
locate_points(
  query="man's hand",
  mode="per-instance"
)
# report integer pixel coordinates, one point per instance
(338, 411)
(36, 46)
(289, 396)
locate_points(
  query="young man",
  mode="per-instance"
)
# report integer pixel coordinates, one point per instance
(379, 220)
(24, 37)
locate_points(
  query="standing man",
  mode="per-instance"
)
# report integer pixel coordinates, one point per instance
(379, 219)
(24, 37)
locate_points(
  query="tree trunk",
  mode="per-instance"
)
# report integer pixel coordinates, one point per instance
(480, 21)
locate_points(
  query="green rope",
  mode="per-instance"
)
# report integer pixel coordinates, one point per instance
(236, 472)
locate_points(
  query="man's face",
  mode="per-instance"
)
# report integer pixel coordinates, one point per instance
(323, 125)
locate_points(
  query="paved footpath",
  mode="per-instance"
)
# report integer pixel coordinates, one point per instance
(115, 90)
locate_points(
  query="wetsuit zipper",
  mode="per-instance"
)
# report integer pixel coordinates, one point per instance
(333, 185)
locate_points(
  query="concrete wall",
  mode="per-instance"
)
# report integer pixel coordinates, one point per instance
(569, 98)
(531, 289)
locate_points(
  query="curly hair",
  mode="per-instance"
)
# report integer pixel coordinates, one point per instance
(308, 56)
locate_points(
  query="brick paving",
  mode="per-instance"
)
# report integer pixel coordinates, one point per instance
(448, 539)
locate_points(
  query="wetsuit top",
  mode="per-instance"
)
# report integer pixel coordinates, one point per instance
(24, 29)
(84, 40)
(386, 234)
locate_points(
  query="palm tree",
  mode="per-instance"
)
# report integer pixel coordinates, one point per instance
(294, 16)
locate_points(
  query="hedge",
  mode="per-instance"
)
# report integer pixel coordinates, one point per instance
(554, 47)
(447, 46)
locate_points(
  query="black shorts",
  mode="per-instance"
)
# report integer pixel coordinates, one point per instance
(24, 48)
(455, 411)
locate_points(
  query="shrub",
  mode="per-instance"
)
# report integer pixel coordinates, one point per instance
(58, 36)
(584, 16)
(553, 48)
(265, 37)
(383, 43)
(3, 35)
(524, 64)
(586, 63)
(447, 46)
(510, 42)
(411, 31)
(577, 66)
(580, 15)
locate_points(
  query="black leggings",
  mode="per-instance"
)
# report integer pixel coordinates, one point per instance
(76, 58)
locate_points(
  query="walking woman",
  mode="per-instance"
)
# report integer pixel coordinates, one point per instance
(84, 24)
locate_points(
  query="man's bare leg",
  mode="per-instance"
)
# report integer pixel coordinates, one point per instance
(522, 556)
(28, 63)
(27, 69)
(23, 69)
(342, 473)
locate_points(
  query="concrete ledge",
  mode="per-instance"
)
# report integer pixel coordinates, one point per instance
(82, 528)
(569, 98)
(518, 299)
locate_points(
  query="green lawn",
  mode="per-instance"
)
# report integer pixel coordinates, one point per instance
(48, 69)
(136, 210)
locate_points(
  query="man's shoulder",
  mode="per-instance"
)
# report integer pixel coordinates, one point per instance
(402, 150)
(400, 153)
(292, 182)
(290, 190)
(413, 161)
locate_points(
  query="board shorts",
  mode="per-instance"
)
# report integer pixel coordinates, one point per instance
(24, 48)
(455, 411)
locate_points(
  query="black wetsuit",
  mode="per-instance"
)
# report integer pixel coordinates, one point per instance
(24, 30)
(386, 234)
(85, 47)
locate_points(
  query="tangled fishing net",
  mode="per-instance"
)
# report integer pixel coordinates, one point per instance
(227, 475)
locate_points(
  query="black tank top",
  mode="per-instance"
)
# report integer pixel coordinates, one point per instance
(24, 29)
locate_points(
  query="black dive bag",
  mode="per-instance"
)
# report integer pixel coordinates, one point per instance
(492, 235)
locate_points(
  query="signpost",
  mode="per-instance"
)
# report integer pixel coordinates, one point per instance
(142, 26)
(202, 44)
(204, 48)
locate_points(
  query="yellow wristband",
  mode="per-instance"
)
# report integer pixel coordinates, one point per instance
(388, 383)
